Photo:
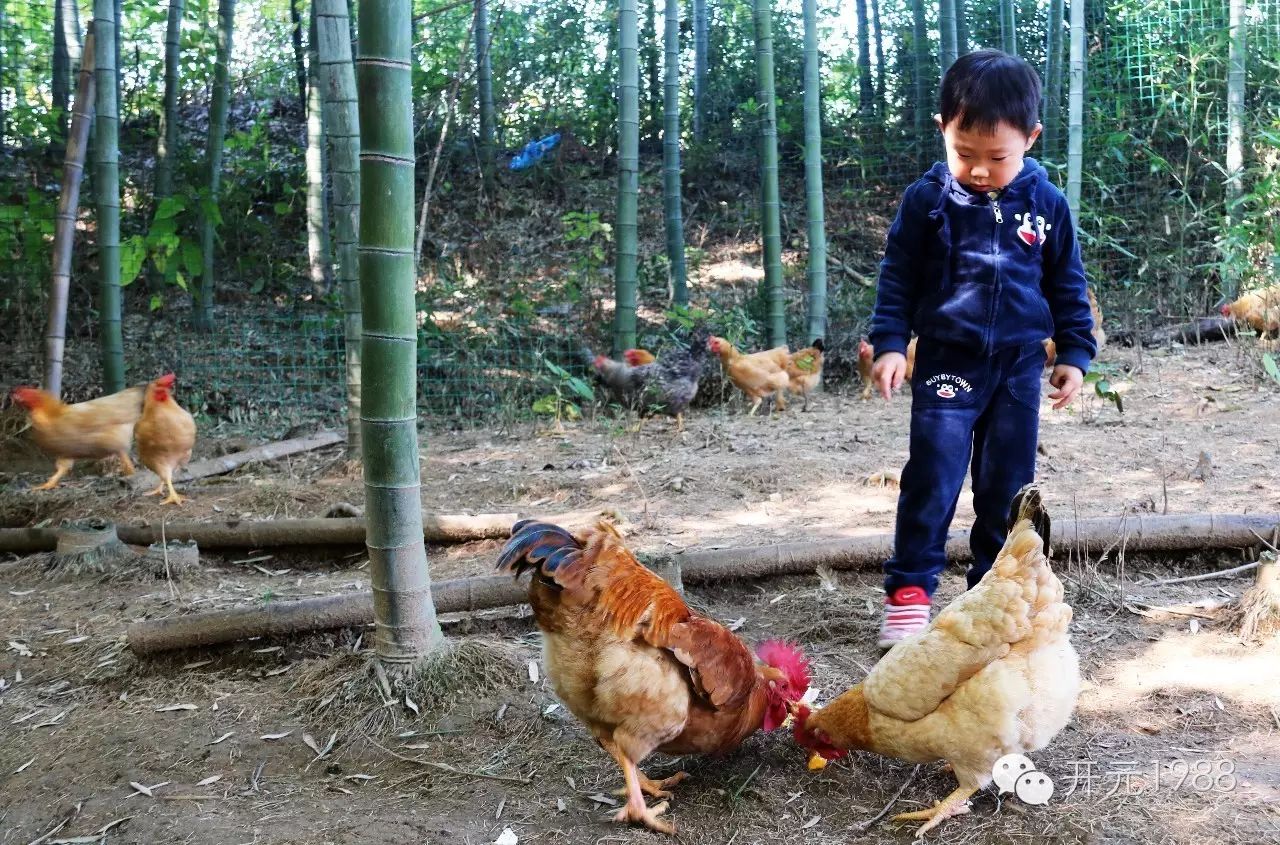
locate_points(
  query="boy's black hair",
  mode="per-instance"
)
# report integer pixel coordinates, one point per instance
(987, 87)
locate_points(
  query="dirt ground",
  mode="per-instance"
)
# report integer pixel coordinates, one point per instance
(1176, 738)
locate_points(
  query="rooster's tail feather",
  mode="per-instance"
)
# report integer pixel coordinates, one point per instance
(538, 545)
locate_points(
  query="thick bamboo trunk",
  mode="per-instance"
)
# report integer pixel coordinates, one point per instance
(921, 107)
(701, 42)
(203, 312)
(625, 233)
(770, 205)
(962, 28)
(407, 630)
(671, 194)
(1008, 27)
(106, 190)
(319, 260)
(167, 137)
(816, 269)
(1085, 536)
(877, 33)
(64, 236)
(342, 127)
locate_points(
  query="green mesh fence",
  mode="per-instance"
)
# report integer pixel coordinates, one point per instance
(1153, 217)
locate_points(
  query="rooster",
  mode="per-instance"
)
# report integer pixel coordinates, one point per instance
(165, 435)
(90, 430)
(994, 674)
(636, 666)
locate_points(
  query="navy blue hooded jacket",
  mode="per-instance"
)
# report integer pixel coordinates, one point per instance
(984, 272)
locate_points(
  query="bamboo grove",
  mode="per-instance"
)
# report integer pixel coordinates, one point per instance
(231, 133)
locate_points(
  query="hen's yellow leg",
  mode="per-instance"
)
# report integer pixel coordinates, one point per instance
(62, 466)
(752, 412)
(955, 804)
(174, 498)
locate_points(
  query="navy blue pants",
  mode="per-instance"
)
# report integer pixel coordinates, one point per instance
(968, 412)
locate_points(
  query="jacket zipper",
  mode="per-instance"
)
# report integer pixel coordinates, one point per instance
(994, 196)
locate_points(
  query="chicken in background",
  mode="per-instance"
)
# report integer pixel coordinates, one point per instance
(994, 674)
(1259, 310)
(165, 434)
(759, 375)
(90, 430)
(636, 666)
(1099, 334)
(804, 370)
(666, 384)
(867, 359)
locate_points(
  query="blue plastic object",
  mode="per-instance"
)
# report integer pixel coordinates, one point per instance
(534, 151)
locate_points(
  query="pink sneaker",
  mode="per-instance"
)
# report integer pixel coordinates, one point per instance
(906, 612)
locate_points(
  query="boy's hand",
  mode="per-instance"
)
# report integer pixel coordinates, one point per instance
(888, 372)
(1067, 379)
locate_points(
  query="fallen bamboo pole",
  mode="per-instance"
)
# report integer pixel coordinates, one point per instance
(220, 466)
(275, 533)
(1085, 536)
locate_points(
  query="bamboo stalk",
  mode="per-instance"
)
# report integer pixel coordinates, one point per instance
(1052, 107)
(1009, 27)
(816, 270)
(1085, 536)
(1075, 110)
(106, 189)
(299, 53)
(406, 627)
(948, 48)
(921, 108)
(625, 231)
(770, 205)
(701, 41)
(650, 41)
(671, 193)
(878, 36)
(866, 83)
(1237, 53)
(61, 67)
(64, 236)
(319, 254)
(342, 128)
(203, 311)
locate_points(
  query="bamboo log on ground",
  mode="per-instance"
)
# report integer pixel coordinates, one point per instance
(220, 466)
(1086, 536)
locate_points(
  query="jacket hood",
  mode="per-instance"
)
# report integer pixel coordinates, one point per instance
(1026, 180)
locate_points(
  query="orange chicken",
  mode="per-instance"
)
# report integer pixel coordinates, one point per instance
(90, 430)
(994, 674)
(758, 375)
(804, 370)
(165, 435)
(636, 666)
(1259, 310)
(638, 357)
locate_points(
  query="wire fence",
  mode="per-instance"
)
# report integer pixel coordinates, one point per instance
(1153, 220)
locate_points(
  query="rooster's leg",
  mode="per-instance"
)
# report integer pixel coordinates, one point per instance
(655, 788)
(635, 809)
(61, 467)
(954, 804)
(126, 465)
(752, 412)
(156, 492)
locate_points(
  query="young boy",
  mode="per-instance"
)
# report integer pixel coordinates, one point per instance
(982, 263)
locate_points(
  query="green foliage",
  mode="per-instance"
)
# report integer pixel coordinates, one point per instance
(1103, 389)
(1269, 366)
(557, 403)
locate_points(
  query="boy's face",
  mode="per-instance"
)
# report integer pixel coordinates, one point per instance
(985, 161)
